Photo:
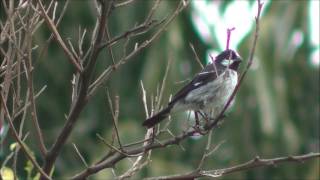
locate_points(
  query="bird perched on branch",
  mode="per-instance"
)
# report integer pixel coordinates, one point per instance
(208, 92)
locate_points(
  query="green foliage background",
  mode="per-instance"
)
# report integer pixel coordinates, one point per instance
(276, 111)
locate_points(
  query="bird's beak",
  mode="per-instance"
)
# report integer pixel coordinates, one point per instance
(238, 59)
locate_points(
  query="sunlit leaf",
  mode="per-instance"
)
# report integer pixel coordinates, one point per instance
(13, 146)
(6, 173)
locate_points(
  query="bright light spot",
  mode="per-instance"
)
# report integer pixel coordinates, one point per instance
(1, 130)
(295, 42)
(315, 58)
(297, 38)
(238, 14)
(314, 30)
(211, 53)
(202, 28)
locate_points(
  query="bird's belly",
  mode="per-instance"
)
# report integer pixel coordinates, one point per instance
(212, 97)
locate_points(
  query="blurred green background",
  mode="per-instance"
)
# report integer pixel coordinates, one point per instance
(276, 111)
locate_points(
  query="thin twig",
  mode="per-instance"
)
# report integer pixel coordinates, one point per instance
(81, 100)
(132, 32)
(136, 143)
(111, 160)
(252, 164)
(152, 11)
(144, 100)
(123, 3)
(23, 146)
(80, 156)
(103, 77)
(204, 156)
(45, 47)
(140, 162)
(28, 61)
(115, 116)
(163, 83)
(57, 36)
(80, 42)
(111, 4)
(114, 158)
(27, 104)
(229, 36)
(196, 55)
(116, 149)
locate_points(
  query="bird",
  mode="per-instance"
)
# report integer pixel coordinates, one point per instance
(207, 92)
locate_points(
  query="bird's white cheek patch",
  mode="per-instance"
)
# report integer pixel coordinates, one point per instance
(226, 62)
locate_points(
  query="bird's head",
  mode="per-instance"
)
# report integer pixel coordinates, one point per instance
(229, 58)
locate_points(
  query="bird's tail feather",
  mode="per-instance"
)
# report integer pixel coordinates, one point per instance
(157, 118)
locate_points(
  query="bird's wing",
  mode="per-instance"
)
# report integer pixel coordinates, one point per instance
(208, 74)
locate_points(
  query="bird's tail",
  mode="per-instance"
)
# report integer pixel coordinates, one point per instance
(157, 117)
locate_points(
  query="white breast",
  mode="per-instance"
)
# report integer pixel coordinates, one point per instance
(213, 96)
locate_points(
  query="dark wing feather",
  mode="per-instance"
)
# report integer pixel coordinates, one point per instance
(209, 73)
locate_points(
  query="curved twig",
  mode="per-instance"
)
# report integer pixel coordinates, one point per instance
(252, 164)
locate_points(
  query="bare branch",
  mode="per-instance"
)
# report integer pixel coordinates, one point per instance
(80, 156)
(123, 3)
(114, 148)
(57, 36)
(44, 49)
(27, 104)
(105, 75)
(81, 99)
(115, 117)
(35, 121)
(144, 99)
(116, 157)
(163, 84)
(23, 146)
(252, 164)
(196, 55)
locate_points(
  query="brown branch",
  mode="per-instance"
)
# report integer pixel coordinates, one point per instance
(34, 116)
(81, 99)
(57, 36)
(123, 3)
(252, 164)
(46, 45)
(182, 5)
(106, 74)
(23, 146)
(140, 29)
(163, 84)
(196, 55)
(115, 118)
(143, 160)
(79, 155)
(114, 158)
(132, 32)
(27, 104)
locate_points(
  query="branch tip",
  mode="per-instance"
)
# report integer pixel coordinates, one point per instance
(229, 30)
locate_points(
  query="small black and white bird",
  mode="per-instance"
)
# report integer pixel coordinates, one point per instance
(209, 90)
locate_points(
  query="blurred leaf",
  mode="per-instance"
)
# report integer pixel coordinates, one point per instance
(13, 146)
(7, 173)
